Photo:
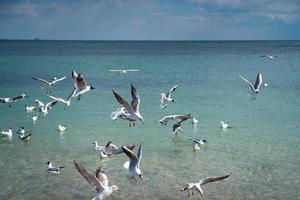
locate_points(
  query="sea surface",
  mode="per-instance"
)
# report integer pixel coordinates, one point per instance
(261, 151)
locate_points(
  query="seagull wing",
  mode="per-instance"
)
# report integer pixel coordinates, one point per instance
(51, 104)
(74, 76)
(125, 103)
(41, 80)
(115, 70)
(134, 160)
(172, 90)
(2, 100)
(101, 176)
(249, 84)
(57, 98)
(81, 84)
(39, 103)
(72, 94)
(132, 70)
(135, 103)
(183, 117)
(209, 180)
(59, 79)
(139, 154)
(89, 177)
(258, 81)
(16, 98)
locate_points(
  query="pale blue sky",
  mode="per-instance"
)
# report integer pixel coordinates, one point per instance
(150, 19)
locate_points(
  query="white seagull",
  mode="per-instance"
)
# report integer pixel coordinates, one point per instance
(177, 127)
(34, 118)
(133, 165)
(132, 110)
(197, 143)
(98, 147)
(54, 169)
(224, 125)
(66, 102)
(29, 108)
(272, 57)
(166, 99)
(119, 113)
(80, 84)
(49, 83)
(197, 186)
(165, 119)
(98, 182)
(45, 108)
(13, 99)
(7, 133)
(254, 88)
(123, 71)
(194, 121)
(62, 128)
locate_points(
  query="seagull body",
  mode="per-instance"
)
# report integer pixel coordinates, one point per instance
(34, 118)
(13, 99)
(29, 108)
(165, 119)
(254, 88)
(133, 165)
(197, 143)
(66, 102)
(53, 169)
(25, 137)
(80, 84)
(197, 186)
(224, 125)
(45, 108)
(62, 128)
(98, 182)
(7, 133)
(98, 147)
(194, 121)
(123, 71)
(166, 99)
(177, 127)
(131, 111)
(49, 83)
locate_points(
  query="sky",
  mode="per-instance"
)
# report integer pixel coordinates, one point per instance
(150, 19)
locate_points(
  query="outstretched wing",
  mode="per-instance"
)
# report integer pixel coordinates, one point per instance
(41, 80)
(17, 98)
(172, 90)
(89, 176)
(59, 79)
(39, 103)
(209, 180)
(258, 81)
(135, 103)
(249, 84)
(72, 94)
(101, 176)
(51, 104)
(122, 101)
(134, 160)
(81, 83)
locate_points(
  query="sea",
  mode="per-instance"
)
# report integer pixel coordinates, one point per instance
(260, 151)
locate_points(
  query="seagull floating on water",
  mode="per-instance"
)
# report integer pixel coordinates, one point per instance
(177, 127)
(80, 84)
(132, 113)
(197, 186)
(166, 99)
(224, 125)
(98, 147)
(7, 133)
(54, 169)
(194, 121)
(133, 165)
(13, 99)
(165, 119)
(34, 118)
(29, 108)
(98, 182)
(66, 102)
(197, 143)
(265, 84)
(62, 128)
(123, 71)
(45, 108)
(254, 88)
(25, 137)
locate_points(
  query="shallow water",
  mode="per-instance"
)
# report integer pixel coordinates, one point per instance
(260, 152)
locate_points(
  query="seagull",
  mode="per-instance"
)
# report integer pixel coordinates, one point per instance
(80, 84)
(25, 137)
(194, 121)
(197, 186)
(7, 133)
(272, 57)
(10, 100)
(45, 108)
(98, 182)
(66, 102)
(224, 125)
(98, 147)
(21, 130)
(61, 128)
(166, 99)
(255, 87)
(49, 83)
(54, 169)
(197, 143)
(112, 149)
(177, 127)
(265, 84)
(132, 110)
(133, 165)
(34, 118)
(123, 71)
(29, 108)
(165, 119)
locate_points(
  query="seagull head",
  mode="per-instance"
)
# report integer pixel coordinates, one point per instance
(92, 88)
(48, 162)
(204, 141)
(114, 187)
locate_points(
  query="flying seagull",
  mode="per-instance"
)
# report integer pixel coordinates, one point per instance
(197, 186)
(53, 169)
(49, 83)
(177, 127)
(123, 71)
(132, 110)
(165, 119)
(133, 165)
(98, 182)
(112, 149)
(254, 88)
(13, 99)
(166, 99)
(80, 84)
(45, 108)
(66, 102)
(271, 57)
(29, 108)
(197, 143)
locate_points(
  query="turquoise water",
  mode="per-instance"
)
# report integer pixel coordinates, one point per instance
(261, 152)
